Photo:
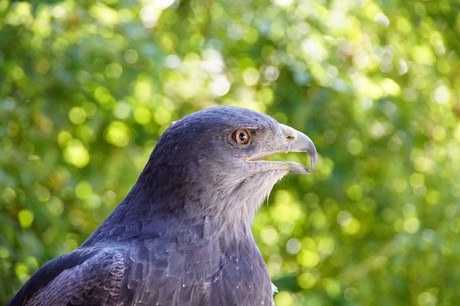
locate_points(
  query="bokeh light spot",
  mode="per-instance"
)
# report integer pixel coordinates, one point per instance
(220, 85)
(251, 76)
(354, 146)
(142, 115)
(25, 217)
(308, 258)
(55, 206)
(76, 154)
(293, 246)
(83, 190)
(284, 298)
(122, 110)
(306, 280)
(441, 94)
(131, 56)
(113, 70)
(118, 134)
(162, 116)
(77, 115)
(411, 225)
(269, 235)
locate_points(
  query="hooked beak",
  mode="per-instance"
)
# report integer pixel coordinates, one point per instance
(293, 141)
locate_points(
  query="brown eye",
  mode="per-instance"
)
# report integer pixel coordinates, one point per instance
(241, 136)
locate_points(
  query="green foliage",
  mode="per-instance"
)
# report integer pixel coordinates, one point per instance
(86, 89)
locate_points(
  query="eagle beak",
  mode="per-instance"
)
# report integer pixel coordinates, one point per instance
(292, 141)
(299, 142)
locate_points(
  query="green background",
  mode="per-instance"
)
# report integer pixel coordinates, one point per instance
(87, 88)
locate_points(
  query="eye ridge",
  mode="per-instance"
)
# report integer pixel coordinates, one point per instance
(241, 136)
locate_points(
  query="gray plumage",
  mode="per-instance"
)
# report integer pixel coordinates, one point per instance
(182, 236)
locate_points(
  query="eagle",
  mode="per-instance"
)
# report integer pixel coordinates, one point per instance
(182, 235)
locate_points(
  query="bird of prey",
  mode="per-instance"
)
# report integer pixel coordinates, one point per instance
(182, 235)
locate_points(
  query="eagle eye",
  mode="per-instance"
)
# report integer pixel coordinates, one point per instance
(241, 136)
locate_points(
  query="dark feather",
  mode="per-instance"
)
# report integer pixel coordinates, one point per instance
(84, 276)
